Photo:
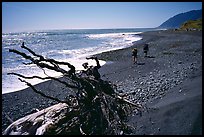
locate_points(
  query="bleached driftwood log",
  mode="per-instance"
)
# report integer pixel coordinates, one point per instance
(60, 119)
(40, 122)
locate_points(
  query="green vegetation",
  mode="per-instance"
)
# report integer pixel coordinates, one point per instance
(192, 25)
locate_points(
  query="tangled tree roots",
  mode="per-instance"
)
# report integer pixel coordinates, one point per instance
(96, 108)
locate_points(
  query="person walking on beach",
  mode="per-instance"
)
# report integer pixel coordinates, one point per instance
(92, 70)
(134, 55)
(146, 49)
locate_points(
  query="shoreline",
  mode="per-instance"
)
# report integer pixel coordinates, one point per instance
(176, 62)
(78, 61)
(74, 56)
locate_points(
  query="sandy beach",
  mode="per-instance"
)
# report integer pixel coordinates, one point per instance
(168, 83)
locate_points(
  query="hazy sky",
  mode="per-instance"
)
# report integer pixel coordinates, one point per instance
(29, 16)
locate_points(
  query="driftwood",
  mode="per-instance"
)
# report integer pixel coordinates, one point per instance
(94, 108)
(37, 123)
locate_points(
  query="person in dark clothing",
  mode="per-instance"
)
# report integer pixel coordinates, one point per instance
(92, 70)
(146, 49)
(134, 55)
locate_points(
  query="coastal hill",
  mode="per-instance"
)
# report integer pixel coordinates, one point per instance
(192, 25)
(177, 20)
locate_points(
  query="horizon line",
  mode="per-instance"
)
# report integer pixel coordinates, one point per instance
(38, 30)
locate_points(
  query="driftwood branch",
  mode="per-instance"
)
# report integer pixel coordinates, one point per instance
(96, 108)
(138, 106)
(9, 119)
(49, 78)
(42, 94)
(52, 61)
(39, 62)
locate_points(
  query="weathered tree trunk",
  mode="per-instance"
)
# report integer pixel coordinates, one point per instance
(40, 122)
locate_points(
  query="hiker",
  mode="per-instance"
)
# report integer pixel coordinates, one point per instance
(146, 49)
(134, 55)
(92, 70)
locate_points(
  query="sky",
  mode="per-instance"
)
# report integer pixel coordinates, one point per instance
(33, 16)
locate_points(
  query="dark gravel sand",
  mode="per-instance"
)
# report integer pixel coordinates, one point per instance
(167, 83)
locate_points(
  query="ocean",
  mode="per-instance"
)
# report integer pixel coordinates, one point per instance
(71, 46)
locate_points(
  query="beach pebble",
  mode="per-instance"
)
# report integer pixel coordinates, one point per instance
(139, 90)
(135, 82)
(163, 75)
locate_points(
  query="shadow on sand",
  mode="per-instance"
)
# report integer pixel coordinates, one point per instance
(140, 63)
